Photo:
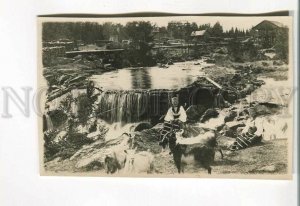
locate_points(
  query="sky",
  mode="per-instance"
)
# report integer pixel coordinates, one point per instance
(226, 22)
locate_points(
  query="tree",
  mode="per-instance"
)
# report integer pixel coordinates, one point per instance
(204, 27)
(236, 32)
(216, 30)
(139, 31)
(109, 29)
(188, 29)
(179, 30)
(247, 32)
(281, 44)
(231, 32)
(141, 35)
(176, 29)
(240, 52)
(194, 26)
(86, 31)
(163, 30)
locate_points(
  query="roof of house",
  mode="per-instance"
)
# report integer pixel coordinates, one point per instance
(277, 23)
(198, 33)
(269, 25)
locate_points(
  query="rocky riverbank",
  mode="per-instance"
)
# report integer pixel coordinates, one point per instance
(239, 80)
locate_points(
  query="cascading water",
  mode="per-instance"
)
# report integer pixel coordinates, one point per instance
(137, 94)
(135, 106)
(130, 106)
(49, 123)
(134, 95)
(116, 130)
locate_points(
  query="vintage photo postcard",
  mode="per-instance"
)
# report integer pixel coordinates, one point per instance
(176, 96)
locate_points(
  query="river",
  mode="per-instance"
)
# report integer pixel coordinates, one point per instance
(176, 76)
(279, 125)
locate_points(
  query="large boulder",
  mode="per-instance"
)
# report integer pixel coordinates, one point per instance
(230, 128)
(230, 116)
(239, 130)
(142, 126)
(225, 142)
(243, 112)
(248, 89)
(96, 153)
(210, 113)
(96, 135)
(226, 131)
(219, 127)
(262, 109)
(147, 140)
(60, 136)
(278, 63)
(231, 97)
(234, 125)
(194, 112)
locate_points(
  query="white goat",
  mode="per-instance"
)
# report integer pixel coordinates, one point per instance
(115, 158)
(141, 162)
(201, 138)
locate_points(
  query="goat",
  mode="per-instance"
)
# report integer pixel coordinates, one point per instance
(209, 139)
(200, 149)
(141, 162)
(202, 154)
(115, 160)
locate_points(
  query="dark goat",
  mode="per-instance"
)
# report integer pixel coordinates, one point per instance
(200, 153)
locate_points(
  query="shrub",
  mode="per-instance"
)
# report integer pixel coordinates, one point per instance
(242, 52)
(65, 148)
(58, 117)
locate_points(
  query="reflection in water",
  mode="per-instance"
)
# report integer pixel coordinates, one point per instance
(189, 80)
(140, 79)
(175, 77)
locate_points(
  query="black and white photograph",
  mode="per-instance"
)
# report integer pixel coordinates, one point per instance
(169, 96)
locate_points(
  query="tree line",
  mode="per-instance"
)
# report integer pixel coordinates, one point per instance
(143, 33)
(146, 31)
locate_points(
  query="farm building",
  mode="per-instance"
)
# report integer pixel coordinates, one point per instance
(265, 32)
(198, 35)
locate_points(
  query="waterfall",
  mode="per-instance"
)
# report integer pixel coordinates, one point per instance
(116, 129)
(123, 106)
(132, 106)
(139, 105)
(49, 123)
